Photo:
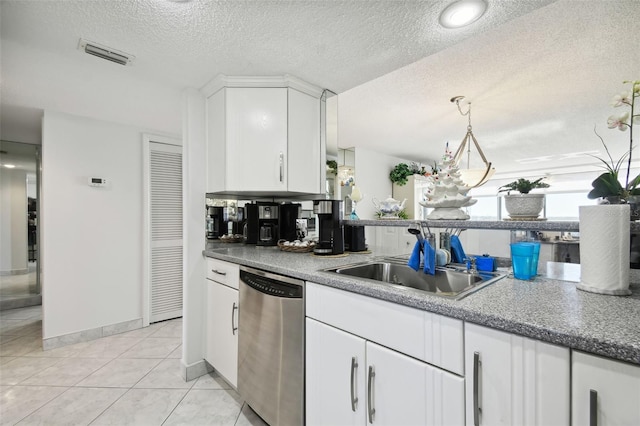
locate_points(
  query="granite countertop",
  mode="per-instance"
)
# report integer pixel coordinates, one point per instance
(548, 309)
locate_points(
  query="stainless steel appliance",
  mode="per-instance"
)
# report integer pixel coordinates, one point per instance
(267, 224)
(271, 346)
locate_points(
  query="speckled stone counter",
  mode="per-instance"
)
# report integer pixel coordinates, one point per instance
(546, 309)
(523, 225)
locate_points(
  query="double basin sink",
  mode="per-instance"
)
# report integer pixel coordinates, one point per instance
(451, 281)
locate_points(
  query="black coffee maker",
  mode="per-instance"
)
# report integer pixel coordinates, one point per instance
(330, 228)
(215, 225)
(289, 213)
(268, 224)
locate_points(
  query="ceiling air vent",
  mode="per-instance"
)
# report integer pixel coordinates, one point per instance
(105, 52)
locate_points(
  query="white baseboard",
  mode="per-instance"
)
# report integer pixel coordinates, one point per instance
(91, 334)
(195, 370)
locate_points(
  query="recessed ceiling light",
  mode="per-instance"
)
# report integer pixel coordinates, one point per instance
(462, 12)
(10, 166)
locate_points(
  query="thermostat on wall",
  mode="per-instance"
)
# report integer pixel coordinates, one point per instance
(97, 181)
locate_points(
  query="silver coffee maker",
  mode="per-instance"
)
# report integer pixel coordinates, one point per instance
(267, 224)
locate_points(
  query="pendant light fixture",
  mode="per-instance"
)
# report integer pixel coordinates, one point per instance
(472, 177)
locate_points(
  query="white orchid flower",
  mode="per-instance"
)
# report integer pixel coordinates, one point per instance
(619, 121)
(623, 98)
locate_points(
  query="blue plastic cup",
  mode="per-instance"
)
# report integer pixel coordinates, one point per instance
(522, 255)
(536, 256)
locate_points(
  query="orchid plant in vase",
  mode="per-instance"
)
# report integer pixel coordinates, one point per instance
(607, 185)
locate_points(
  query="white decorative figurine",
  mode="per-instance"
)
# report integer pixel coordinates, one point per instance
(446, 193)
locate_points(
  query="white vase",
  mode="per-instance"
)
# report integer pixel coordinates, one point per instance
(524, 205)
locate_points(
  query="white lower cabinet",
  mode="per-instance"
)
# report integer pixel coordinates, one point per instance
(352, 381)
(604, 392)
(514, 380)
(222, 330)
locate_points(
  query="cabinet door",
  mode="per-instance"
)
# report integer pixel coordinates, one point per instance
(512, 380)
(305, 165)
(335, 386)
(404, 391)
(222, 330)
(604, 392)
(396, 388)
(256, 147)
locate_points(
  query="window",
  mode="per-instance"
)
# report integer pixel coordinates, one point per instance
(566, 206)
(486, 208)
(559, 206)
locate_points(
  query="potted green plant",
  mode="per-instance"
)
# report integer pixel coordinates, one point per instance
(523, 205)
(332, 167)
(607, 186)
(400, 173)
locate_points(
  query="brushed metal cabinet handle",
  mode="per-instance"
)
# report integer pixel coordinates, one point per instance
(233, 326)
(354, 398)
(370, 389)
(593, 408)
(281, 167)
(215, 271)
(476, 389)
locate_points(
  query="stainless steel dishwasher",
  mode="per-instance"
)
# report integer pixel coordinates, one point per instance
(271, 346)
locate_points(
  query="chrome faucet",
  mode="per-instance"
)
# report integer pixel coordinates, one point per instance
(415, 229)
(471, 265)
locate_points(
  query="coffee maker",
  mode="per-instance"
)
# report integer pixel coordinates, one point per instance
(330, 228)
(267, 224)
(289, 213)
(215, 219)
(233, 221)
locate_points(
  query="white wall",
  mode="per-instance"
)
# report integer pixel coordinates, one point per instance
(91, 237)
(13, 220)
(372, 177)
(486, 241)
(194, 270)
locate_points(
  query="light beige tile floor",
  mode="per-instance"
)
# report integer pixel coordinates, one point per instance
(131, 378)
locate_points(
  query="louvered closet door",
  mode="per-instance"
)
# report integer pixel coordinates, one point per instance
(165, 202)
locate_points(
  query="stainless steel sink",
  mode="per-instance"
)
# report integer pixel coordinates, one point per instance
(451, 281)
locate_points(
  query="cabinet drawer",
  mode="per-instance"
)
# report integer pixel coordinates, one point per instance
(223, 272)
(433, 338)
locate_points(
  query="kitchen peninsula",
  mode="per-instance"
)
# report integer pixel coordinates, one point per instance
(547, 309)
(541, 347)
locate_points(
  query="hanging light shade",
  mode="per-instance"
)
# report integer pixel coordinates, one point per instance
(472, 177)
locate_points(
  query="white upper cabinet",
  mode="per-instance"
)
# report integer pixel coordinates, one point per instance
(264, 140)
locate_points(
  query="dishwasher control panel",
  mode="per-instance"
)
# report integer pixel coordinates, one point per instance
(271, 286)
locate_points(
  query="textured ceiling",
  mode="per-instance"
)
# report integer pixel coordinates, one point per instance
(334, 44)
(539, 74)
(538, 85)
(331, 43)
